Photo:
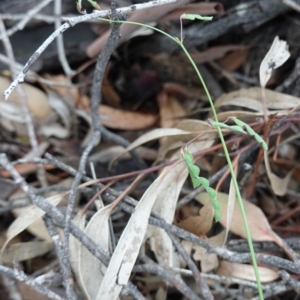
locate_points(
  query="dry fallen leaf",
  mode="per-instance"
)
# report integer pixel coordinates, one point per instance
(128, 247)
(169, 109)
(246, 272)
(199, 225)
(91, 270)
(125, 120)
(209, 262)
(192, 128)
(260, 228)
(75, 245)
(37, 100)
(29, 216)
(25, 251)
(277, 56)
(279, 185)
(150, 136)
(251, 98)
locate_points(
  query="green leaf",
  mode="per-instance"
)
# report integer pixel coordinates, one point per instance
(94, 4)
(217, 215)
(188, 157)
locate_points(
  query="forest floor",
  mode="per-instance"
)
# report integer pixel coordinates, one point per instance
(114, 180)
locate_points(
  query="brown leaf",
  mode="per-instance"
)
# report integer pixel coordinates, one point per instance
(246, 272)
(215, 53)
(233, 60)
(37, 100)
(199, 225)
(251, 99)
(125, 120)
(169, 109)
(259, 226)
(279, 185)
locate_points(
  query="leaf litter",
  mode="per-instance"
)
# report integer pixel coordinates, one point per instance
(156, 106)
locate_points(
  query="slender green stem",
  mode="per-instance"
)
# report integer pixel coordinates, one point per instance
(235, 183)
(238, 194)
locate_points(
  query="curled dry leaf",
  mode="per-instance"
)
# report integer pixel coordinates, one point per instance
(199, 225)
(125, 120)
(169, 109)
(251, 99)
(150, 136)
(25, 251)
(27, 218)
(246, 272)
(209, 262)
(75, 245)
(260, 228)
(192, 128)
(91, 270)
(277, 56)
(279, 185)
(37, 100)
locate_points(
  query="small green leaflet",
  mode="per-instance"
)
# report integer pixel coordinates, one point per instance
(193, 17)
(94, 4)
(197, 181)
(241, 127)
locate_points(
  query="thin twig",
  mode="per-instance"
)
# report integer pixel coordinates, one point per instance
(168, 275)
(95, 102)
(158, 221)
(59, 217)
(70, 22)
(20, 276)
(199, 280)
(29, 123)
(60, 41)
(27, 17)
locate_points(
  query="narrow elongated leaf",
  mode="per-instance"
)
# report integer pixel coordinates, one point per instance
(126, 252)
(279, 185)
(90, 268)
(28, 217)
(246, 272)
(150, 136)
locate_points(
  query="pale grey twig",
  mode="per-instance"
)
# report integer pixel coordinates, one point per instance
(29, 123)
(72, 22)
(27, 17)
(20, 276)
(95, 102)
(59, 217)
(206, 293)
(169, 276)
(60, 41)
